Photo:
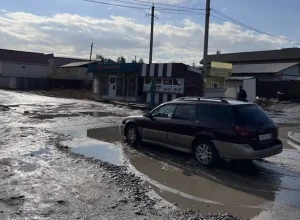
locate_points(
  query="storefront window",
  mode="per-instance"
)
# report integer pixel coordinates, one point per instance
(120, 87)
(131, 87)
(177, 82)
(157, 81)
(167, 82)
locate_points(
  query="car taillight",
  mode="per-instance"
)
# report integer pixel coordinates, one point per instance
(244, 132)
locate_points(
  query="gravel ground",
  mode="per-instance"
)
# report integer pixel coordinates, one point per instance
(41, 179)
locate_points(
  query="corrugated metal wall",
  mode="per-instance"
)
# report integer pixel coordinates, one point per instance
(25, 83)
(21, 83)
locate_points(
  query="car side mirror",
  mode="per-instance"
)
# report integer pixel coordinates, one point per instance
(148, 115)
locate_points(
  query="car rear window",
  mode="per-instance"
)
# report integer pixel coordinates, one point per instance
(214, 114)
(251, 115)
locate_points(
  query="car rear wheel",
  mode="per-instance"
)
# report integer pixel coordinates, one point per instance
(206, 153)
(132, 135)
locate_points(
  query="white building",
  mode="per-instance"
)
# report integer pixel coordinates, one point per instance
(20, 69)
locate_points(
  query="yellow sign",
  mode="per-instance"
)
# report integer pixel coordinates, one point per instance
(223, 70)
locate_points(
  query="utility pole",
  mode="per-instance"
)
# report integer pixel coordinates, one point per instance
(206, 35)
(92, 45)
(151, 35)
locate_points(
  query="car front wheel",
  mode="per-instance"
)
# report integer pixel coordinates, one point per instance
(132, 135)
(206, 153)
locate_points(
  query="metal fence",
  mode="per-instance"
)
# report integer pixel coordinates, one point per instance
(269, 89)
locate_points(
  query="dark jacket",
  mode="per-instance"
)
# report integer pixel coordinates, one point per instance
(242, 94)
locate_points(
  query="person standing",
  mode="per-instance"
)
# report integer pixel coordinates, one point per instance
(152, 90)
(242, 94)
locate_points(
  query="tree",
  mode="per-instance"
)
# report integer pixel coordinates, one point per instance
(133, 61)
(121, 59)
(141, 61)
(102, 59)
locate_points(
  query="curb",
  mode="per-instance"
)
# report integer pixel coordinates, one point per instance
(292, 138)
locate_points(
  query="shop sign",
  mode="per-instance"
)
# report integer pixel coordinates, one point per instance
(109, 67)
(223, 70)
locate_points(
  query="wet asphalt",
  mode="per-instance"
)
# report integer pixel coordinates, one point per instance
(264, 189)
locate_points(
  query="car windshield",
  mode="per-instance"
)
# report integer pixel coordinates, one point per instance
(251, 115)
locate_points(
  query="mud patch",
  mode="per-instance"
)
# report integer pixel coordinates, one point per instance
(48, 116)
(39, 153)
(13, 200)
(4, 108)
(28, 167)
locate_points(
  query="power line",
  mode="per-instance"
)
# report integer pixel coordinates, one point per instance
(160, 8)
(168, 5)
(124, 6)
(179, 13)
(233, 21)
(187, 44)
(133, 3)
(171, 9)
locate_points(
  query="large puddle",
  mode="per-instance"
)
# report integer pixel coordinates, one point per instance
(100, 143)
(244, 189)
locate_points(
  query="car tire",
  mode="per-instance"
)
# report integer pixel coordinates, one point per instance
(205, 153)
(132, 135)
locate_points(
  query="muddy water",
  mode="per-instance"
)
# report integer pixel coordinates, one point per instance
(261, 190)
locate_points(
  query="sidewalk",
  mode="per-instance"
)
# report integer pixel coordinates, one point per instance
(141, 106)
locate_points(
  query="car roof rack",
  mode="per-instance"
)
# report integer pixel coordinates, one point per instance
(228, 98)
(204, 99)
(189, 98)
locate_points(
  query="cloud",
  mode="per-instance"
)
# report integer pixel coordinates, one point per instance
(71, 34)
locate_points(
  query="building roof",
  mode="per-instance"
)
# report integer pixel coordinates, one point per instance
(77, 64)
(268, 55)
(261, 68)
(23, 57)
(85, 63)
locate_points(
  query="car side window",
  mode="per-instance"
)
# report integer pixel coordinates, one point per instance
(185, 112)
(214, 113)
(165, 111)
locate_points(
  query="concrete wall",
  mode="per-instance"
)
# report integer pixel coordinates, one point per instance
(250, 87)
(72, 73)
(294, 70)
(232, 88)
(50, 68)
(23, 70)
(292, 73)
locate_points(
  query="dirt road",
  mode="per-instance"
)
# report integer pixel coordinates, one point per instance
(113, 180)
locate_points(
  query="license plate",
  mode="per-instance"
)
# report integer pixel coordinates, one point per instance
(265, 137)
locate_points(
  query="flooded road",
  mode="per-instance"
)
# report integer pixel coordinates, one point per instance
(264, 189)
(243, 188)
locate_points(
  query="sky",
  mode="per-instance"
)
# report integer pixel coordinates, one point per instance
(68, 27)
